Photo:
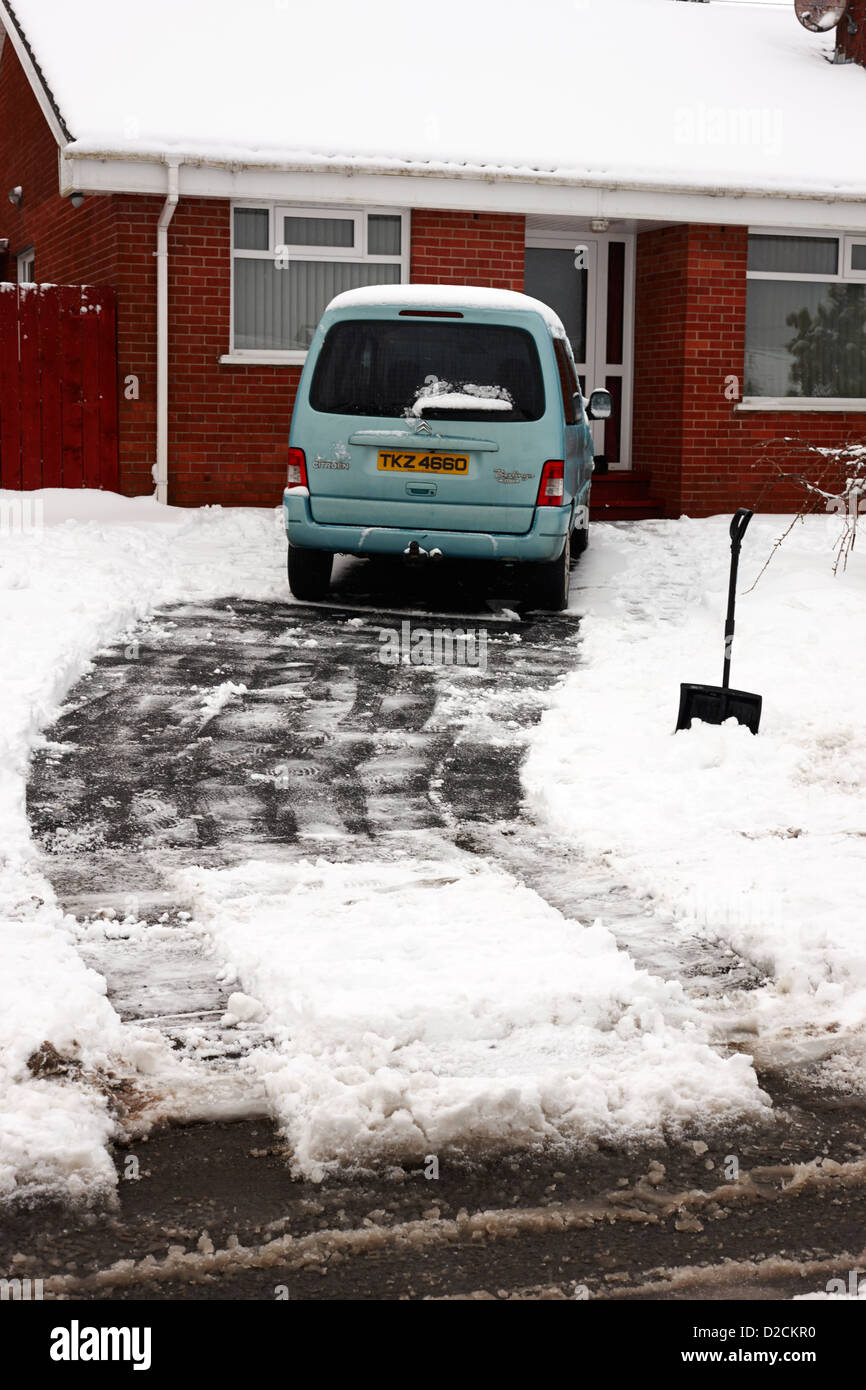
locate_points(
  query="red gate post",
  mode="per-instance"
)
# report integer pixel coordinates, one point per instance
(31, 414)
(49, 372)
(70, 386)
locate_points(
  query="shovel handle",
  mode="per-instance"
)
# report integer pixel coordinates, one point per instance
(739, 523)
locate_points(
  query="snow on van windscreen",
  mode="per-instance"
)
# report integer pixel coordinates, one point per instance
(466, 371)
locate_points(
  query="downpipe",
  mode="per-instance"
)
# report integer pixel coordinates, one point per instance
(162, 226)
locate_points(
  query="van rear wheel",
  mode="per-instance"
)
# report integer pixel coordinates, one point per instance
(551, 580)
(309, 572)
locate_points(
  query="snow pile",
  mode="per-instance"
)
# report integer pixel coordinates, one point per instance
(67, 588)
(421, 1007)
(54, 1122)
(758, 842)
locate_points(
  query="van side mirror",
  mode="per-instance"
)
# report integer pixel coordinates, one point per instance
(600, 405)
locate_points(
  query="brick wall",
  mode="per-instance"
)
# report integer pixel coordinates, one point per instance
(73, 245)
(690, 320)
(851, 33)
(659, 359)
(468, 248)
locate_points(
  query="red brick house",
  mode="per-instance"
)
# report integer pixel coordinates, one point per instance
(684, 182)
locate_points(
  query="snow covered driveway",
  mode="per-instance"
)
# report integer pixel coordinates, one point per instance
(312, 887)
(260, 827)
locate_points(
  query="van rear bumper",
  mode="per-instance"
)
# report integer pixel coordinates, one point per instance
(543, 541)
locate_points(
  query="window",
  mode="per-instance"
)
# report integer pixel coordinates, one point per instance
(381, 367)
(27, 266)
(806, 317)
(567, 381)
(289, 262)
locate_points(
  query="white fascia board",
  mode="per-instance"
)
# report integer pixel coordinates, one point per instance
(33, 77)
(539, 197)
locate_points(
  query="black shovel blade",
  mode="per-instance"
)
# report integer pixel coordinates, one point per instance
(713, 704)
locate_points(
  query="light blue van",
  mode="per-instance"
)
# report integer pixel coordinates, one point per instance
(440, 422)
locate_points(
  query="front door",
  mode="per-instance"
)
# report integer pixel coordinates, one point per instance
(589, 281)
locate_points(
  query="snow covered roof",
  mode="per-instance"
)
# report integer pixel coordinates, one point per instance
(656, 94)
(447, 297)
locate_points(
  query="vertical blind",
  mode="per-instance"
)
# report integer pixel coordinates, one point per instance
(279, 309)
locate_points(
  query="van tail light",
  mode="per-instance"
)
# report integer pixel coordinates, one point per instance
(551, 489)
(296, 474)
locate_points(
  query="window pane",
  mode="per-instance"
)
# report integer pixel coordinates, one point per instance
(567, 380)
(858, 255)
(251, 229)
(794, 255)
(318, 231)
(279, 309)
(805, 339)
(552, 278)
(378, 368)
(383, 235)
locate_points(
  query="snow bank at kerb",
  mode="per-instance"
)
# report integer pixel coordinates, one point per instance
(756, 842)
(420, 1008)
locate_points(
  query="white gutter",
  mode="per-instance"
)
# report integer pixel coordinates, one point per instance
(417, 169)
(162, 333)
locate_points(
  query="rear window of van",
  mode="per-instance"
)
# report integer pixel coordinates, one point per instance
(396, 369)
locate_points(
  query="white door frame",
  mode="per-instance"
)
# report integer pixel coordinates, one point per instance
(596, 369)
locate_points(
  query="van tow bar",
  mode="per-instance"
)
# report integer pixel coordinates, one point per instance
(414, 551)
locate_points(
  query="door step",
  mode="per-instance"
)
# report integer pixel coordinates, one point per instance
(623, 496)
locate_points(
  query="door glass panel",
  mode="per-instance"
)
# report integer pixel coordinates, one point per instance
(615, 302)
(613, 425)
(552, 278)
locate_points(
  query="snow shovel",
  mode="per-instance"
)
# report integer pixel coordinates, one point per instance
(716, 703)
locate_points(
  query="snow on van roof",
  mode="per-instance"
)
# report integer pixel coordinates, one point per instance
(447, 297)
(646, 94)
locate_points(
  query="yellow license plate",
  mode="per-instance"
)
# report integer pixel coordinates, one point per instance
(392, 462)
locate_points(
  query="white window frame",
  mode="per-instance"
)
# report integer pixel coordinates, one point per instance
(25, 259)
(356, 254)
(848, 255)
(844, 275)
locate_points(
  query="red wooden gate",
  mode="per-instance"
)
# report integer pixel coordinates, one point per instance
(58, 387)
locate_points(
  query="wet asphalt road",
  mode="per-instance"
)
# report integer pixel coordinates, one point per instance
(323, 748)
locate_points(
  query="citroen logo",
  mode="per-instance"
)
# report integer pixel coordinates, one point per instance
(422, 427)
